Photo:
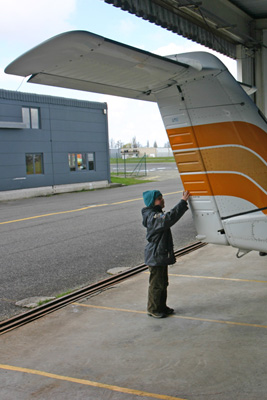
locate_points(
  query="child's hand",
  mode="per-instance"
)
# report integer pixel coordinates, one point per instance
(186, 195)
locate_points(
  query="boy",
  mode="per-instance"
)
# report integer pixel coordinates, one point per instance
(159, 250)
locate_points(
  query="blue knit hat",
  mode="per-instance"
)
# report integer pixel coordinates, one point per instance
(150, 196)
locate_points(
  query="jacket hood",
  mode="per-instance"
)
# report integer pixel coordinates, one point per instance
(145, 213)
(150, 196)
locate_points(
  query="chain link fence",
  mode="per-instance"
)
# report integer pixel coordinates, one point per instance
(129, 166)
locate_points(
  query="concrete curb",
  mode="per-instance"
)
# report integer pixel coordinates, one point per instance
(52, 190)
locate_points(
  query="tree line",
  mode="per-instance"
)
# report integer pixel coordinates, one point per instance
(134, 144)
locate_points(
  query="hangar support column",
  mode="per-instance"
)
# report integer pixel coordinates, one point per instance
(261, 73)
(264, 71)
(252, 69)
(245, 65)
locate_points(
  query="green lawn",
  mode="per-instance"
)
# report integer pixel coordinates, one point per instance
(127, 181)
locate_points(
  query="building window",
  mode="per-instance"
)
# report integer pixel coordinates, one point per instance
(72, 162)
(81, 161)
(34, 164)
(30, 116)
(91, 161)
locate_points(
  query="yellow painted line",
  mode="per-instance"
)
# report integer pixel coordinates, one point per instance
(168, 194)
(222, 322)
(217, 278)
(176, 316)
(55, 213)
(109, 308)
(88, 383)
(77, 210)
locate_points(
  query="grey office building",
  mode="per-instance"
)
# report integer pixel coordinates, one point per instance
(50, 141)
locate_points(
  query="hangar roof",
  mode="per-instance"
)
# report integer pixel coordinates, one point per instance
(219, 25)
(256, 9)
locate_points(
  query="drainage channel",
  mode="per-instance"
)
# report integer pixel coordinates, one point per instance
(54, 305)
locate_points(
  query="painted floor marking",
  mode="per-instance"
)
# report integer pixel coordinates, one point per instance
(55, 213)
(79, 209)
(176, 316)
(88, 383)
(218, 278)
(214, 277)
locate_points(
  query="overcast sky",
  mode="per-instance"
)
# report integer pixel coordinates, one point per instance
(26, 23)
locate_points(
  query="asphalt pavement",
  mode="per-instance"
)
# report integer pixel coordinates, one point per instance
(50, 245)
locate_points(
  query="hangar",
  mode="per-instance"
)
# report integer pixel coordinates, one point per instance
(235, 28)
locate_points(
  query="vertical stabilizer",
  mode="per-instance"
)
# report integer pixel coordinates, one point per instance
(219, 142)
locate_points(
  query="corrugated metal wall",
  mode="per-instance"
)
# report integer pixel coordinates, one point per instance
(36, 98)
(161, 16)
(66, 126)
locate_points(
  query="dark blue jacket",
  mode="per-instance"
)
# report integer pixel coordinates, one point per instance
(159, 250)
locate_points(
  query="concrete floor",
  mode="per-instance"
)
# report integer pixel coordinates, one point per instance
(107, 348)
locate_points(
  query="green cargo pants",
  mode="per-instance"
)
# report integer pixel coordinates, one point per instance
(157, 290)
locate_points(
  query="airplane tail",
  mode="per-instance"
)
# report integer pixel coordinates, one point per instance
(217, 134)
(219, 142)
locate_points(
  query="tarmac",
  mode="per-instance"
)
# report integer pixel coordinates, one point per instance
(106, 347)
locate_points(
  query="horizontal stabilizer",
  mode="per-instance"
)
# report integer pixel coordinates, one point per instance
(85, 61)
